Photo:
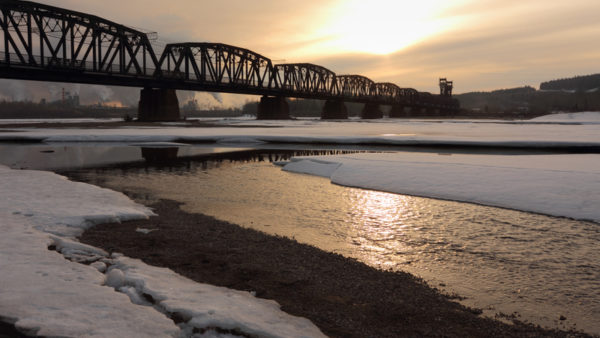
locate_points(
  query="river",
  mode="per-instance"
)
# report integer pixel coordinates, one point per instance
(532, 267)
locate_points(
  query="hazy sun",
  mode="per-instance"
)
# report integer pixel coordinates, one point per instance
(382, 26)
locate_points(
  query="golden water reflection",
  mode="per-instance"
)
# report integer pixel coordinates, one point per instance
(377, 224)
(502, 260)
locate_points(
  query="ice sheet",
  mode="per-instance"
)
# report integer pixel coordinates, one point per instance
(551, 131)
(558, 185)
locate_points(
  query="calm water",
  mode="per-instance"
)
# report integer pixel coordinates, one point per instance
(501, 260)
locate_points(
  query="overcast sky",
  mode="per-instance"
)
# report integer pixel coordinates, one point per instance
(480, 44)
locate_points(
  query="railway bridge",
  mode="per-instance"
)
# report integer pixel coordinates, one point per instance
(47, 43)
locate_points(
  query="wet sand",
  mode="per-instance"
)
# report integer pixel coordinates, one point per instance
(343, 297)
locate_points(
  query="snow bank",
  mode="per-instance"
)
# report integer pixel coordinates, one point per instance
(558, 185)
(585, 117)
(204, 306)
(41, 292)
(45, 290)
(44, 294)
(55, 205)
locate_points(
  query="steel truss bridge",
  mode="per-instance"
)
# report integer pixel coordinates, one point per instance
(46, 43)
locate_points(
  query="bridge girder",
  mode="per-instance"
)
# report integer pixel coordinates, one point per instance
(355, 86)
(54, 38)
(387, 90)
(305, 78)
(216, 64)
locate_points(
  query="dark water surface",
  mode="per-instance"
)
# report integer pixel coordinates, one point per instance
(502, 260)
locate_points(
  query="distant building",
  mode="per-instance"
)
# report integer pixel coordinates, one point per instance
(67, 100)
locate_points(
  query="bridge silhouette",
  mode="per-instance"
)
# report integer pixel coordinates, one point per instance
(47, 43)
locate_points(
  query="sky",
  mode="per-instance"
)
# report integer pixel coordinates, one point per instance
(479, 44)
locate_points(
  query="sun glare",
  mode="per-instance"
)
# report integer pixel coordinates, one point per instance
(382, 26)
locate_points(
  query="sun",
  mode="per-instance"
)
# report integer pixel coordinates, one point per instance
(382, 26)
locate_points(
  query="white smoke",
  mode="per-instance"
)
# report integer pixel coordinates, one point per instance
(55, 92)
(104, 93)
(16, 90)
(218, 97)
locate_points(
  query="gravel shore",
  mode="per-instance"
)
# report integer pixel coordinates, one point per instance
(343, 297)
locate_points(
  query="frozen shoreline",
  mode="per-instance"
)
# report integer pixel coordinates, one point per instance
(46, 291)
(43, 288)
(559, 131)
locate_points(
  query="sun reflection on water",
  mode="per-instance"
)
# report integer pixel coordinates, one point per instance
(479, 252)
(378, 223)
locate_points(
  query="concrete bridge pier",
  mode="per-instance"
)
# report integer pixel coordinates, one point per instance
(334, 109)
(158, 105)
(432, 111)
(448, 112)
(416, 112)
(371, 111)
(398, 111)
(273, 108)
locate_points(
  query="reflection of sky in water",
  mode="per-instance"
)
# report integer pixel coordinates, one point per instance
(502, 260)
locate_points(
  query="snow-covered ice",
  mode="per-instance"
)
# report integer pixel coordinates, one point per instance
(582, 131)
(46, 290)
(44, 294)
(582, 118)
(558, 185)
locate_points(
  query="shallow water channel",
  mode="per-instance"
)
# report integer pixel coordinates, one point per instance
(534, 267)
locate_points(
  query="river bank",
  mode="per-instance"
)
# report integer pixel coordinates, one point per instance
(343, 297)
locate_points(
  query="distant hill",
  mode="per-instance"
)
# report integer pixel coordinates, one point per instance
(577, 83)
(512, 102)
(525, 102)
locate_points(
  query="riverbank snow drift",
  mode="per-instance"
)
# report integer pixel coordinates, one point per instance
(46, 290)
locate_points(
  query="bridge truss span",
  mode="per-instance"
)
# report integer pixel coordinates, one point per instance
(387, 91)
(305, 78)
(61, 42)
(216, 65)
(355, 87)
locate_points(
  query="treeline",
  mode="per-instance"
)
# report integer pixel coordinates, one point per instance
(507, 101)
(304, 107)
(31, 110)
(577, 83)
(526, 102)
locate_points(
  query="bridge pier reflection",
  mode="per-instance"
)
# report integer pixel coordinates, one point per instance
(159, 156)
(334, 109)
(158, 105)
(273, 108)
(371, 111)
